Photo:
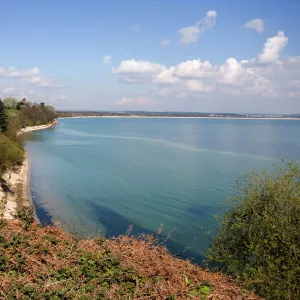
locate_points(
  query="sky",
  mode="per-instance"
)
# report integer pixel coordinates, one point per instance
(153, 55)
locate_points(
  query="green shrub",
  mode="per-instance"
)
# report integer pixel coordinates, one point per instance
(259, 236)
(11, 154)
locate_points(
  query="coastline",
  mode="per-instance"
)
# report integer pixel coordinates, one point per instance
(16, 194)
(178, 117)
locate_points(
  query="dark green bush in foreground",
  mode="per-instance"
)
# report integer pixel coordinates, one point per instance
(259, 237)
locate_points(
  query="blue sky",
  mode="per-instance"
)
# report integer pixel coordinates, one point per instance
(162, 55)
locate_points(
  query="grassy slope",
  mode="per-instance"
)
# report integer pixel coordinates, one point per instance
(48, 263)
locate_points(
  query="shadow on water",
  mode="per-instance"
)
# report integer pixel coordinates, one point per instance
(43, 216)
(115, 224)
(41, 213)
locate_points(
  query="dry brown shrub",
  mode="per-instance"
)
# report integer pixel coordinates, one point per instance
(159, 274)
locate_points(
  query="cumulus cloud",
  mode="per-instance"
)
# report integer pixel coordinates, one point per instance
(107, 60)
(41, 82)
(191, 34)
(265, 75)
(137, 70)
(165, 42)
(194, 68)
(137, 66)
(256, 24)
(198, 86)
(166, 76)
(273, 47)
(30, 76)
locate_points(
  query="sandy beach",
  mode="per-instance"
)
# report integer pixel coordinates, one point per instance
(14, 189)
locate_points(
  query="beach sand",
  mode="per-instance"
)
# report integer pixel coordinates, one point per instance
(14, 188)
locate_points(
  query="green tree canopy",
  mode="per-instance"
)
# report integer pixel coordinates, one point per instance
(259, 237)
(11, 154)
(10, 103)
(3, 118)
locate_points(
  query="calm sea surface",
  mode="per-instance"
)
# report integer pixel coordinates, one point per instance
(98, 176)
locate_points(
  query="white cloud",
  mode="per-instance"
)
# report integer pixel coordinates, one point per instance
(166, 76)
(194, 68)
(230, 71)
(236, 78)
(124, 101)
(35, 80)
(39, 81)
(137, 66)
(165, 42)
(256, 24)
(107, 60)
(23, 73)
(137, 71)
(198, 86)
(190, 34)
(31, 76)
(273, 47)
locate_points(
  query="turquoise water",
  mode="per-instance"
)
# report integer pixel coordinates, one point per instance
(98, 176)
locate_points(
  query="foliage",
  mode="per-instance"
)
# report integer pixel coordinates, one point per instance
(47, 263)
(3, 118)
(259, 238)
(10, 103)
(11, 154)
(27, 114)
(32, 114)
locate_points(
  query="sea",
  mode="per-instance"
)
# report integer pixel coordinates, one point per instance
(110, 176)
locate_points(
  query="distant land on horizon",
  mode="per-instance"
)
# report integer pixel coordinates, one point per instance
(88, 113)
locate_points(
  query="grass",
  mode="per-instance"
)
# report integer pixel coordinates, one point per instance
(48, 263)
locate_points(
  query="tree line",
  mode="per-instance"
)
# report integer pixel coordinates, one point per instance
(15, 115)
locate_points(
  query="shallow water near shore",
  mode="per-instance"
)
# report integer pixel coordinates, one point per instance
(99, 176)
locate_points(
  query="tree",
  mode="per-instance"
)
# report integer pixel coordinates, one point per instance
(10, 103)
(259, 236)
(3, 118)
(12, 154)
(42, 104)
(21, 103)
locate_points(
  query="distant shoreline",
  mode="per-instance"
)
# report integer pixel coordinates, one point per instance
(182, 117)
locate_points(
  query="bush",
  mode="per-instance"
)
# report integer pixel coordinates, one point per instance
(259, 236)
(11, 154)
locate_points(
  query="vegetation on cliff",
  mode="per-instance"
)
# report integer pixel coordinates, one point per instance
(258, 243)
(15, 115)
(47, 263)
(259, 238)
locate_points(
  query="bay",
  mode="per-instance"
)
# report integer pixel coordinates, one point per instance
(99, 176)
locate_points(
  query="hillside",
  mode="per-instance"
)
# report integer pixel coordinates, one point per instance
(47, 263)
